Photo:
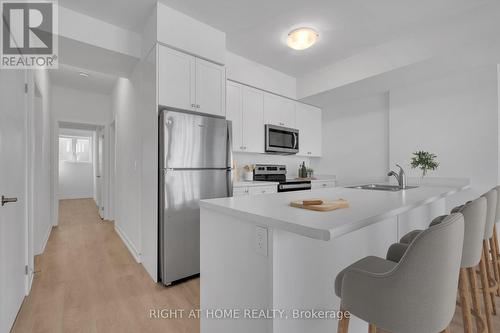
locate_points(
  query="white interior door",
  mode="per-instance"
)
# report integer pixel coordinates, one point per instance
(100, 172)
(12, 185)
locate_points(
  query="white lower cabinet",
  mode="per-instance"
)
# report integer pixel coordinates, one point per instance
(240, 191)
(262, 190)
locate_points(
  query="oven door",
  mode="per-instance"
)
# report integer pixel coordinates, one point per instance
(282, 140)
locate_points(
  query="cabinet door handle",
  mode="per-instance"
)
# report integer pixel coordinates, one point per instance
(197, 106)
(7, 200)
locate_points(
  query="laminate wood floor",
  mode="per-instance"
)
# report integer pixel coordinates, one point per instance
(87, 281)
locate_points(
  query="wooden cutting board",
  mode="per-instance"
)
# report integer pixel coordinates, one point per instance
(325, 206)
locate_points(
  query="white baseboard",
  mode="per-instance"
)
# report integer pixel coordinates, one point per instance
(44, 243)
(130, 246)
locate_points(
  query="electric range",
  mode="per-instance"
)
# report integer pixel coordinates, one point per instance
(277, 173)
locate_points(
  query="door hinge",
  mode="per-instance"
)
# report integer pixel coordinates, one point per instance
(26, 269)
(25, 88)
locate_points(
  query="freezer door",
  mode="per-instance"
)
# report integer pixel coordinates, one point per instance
(192, 141)
(180, 218)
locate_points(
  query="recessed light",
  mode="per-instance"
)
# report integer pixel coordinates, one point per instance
(83, 74)
(302, 38)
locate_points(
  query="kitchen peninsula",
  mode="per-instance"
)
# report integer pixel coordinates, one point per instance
(257, 252)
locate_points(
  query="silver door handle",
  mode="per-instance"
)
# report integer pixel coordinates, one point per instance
(98, 176)
(7, 200)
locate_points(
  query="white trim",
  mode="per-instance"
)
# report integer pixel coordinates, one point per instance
(45, 240)
(130, 246)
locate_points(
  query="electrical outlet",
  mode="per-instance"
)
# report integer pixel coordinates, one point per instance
(261, 240)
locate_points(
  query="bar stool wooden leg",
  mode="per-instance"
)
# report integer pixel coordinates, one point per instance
(490, 276)
(343, 325)
(497, 256)
(372, 328)
(476, 306)
(464, 300)
(495, 262)
(486, 297)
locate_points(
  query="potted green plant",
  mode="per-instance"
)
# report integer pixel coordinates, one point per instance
(424, 161)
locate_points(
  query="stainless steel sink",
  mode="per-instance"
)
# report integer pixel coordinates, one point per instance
(381, 187)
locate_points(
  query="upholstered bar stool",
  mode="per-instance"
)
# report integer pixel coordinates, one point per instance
(488, 243)
(496, 244)
(474, 213)
(415, 295)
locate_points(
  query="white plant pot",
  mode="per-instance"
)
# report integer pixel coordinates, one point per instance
(248, 175)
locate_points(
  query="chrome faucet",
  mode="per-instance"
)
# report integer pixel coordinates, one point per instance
(401, 177)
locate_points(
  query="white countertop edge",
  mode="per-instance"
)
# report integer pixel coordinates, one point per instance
(252, 183)
(322, 234)
(377, 218)
(270, 222)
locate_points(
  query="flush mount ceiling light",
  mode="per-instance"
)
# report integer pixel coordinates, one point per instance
(302, 38)
(83, 74)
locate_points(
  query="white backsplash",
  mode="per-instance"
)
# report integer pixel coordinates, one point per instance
(292, 162)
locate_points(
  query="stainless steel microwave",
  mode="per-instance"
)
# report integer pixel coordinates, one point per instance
(281, 140)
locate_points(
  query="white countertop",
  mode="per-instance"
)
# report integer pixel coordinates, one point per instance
(366, 207)
(254, 183)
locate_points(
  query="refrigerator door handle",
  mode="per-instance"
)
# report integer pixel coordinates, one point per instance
(229, 147)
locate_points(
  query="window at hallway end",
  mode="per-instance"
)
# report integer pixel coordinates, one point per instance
(75, 149)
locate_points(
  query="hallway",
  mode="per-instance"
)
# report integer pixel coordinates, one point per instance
(87, 281)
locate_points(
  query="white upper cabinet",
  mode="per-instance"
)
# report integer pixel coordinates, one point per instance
(253, 120)
(245, 108)
(176, 79)
(210, 80)
(189, 83)
(309, 125)
(279, 111)
(233, 112)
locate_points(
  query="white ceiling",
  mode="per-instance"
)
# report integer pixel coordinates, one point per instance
(127, 14)
(68, 76)
(257, 29)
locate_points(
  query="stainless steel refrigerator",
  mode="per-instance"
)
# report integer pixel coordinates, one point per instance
(195, 163)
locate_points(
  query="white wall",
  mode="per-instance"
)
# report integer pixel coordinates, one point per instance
(78, 106)
(41, 159)
(455, 117)
(254, 74)
(355, 139)
(76, 180)
(128, 163)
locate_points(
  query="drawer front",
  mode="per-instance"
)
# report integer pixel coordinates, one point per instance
(263, 190)
(325, 184)
(240, 191)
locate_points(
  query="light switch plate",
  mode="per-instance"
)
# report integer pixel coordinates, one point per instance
(261, 240)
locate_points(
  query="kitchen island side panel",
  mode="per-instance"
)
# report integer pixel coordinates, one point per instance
(305, 271)
(233, 275)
